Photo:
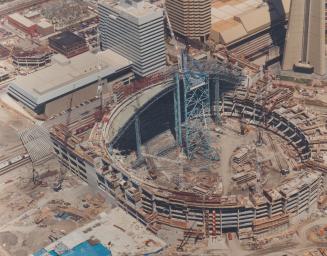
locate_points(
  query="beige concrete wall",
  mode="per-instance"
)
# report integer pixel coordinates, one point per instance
(82, 95)
(294, 42)
(79, 96)
(316, 45)
(315, 52)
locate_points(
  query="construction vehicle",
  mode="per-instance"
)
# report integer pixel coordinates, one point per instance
(35, 176)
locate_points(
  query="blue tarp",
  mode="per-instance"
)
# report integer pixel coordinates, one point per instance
(80, 250)
(40, 252)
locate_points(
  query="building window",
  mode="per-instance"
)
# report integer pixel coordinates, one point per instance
(73, 163)
(80, 161)
(83, 175)
(101, 178)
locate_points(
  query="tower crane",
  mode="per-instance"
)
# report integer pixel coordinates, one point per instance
(99, 68)
(261, 99)
(174, 41)
(58, 185)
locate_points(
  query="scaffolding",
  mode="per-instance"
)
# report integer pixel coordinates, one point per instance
(193, 134)
(37, 142)
(218, 72)
(191, 121)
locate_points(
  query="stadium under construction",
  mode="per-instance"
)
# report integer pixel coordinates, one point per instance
(201, 149)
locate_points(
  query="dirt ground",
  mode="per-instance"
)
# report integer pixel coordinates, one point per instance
(32, 216)
(11, 123)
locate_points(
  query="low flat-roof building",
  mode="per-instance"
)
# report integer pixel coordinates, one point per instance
(22, 23)
(31, 58)
(68, 44)
(48, 91)
(45, 28)
(4, 52)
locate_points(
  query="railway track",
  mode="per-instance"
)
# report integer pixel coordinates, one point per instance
(20, 6)
(13, 151)
(16, 156)
(11, 166)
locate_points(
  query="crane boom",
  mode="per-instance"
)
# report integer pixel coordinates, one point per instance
(173, 38)
(99, 66)
(58, 185)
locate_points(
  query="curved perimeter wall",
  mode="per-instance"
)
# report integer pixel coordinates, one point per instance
(150, 203)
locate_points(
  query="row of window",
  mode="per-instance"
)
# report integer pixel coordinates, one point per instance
(75, 164)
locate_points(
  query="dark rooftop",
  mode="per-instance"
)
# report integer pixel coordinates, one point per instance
(67, 39)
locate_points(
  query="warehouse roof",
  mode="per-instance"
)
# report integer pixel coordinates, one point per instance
(232, 20)
(44, 24)
(22, 20)
(263, 18)
(229, 31)
(67, 75)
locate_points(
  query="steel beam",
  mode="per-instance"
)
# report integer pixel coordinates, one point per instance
(177, 112)
(138, 139)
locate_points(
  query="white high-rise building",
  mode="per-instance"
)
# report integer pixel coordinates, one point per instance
(135, 30)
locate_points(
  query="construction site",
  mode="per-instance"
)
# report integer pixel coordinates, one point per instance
(217, 153)
(249, 170)
(25, 27)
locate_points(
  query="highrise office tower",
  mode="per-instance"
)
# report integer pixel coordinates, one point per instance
(190, 18)
(305, 40)
(135, 30)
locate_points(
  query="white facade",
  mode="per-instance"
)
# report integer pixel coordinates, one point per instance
(136, 31)
(65, 76)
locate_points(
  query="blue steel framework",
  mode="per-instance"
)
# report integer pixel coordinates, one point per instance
(192, 135)
(216, 100)
(196, 135)
(177, 110)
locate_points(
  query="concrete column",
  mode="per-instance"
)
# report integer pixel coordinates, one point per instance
(169, 211)
(177, 112)
(305, 39)
(154, 205)
(270, 209)
(138, 137)
(316, 35)
(221, 222)
(238, 220)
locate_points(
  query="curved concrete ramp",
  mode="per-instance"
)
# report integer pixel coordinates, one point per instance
(125, 112)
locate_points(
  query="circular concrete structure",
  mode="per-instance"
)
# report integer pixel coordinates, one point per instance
(213, 211)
